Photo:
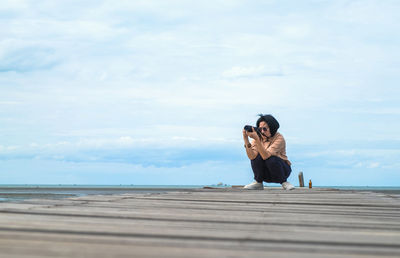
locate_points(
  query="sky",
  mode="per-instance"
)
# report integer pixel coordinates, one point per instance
(157, 92)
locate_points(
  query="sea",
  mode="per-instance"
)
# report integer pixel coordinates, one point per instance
(18, 193)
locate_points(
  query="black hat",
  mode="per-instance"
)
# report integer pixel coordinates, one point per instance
(271, 122)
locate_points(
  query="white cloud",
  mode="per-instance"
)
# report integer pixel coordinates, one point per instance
(126, 140)
(251, 71)
(365, 152)
(9, 102)
(9, 149)
(179, 138)
(374, 165)
(8, 5)
(296, 31)
(375, 110)
(368, 12)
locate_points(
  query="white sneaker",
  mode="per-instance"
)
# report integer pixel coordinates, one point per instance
(287, 186)
(254, 186)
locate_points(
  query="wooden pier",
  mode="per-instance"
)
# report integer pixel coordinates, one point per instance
(205, 223)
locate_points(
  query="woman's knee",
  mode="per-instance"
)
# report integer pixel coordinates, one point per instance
(280, 170)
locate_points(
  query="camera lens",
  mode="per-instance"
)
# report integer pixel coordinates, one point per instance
(248, 128)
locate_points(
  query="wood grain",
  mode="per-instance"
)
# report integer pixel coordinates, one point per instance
(227, 222)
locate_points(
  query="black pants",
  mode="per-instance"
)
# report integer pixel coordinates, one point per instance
(271, 170)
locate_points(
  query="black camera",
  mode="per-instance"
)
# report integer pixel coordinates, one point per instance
(249, 129)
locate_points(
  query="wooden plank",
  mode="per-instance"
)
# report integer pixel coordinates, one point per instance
(212, 222)
(187, 229)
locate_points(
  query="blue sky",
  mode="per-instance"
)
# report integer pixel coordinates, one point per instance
(157, 92)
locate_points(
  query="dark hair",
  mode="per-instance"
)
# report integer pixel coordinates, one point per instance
(271, 122)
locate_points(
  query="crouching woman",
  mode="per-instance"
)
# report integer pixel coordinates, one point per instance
(267, 153)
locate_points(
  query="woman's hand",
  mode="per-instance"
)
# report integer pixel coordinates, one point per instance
(251, 153)
(253, 135)
(245, 136)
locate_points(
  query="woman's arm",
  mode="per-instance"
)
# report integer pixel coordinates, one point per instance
(259, 147)
(251, 154)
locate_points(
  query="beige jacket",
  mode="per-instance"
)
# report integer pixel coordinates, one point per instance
(275, 146)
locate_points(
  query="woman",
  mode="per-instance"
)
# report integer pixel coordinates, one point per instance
(267, 153)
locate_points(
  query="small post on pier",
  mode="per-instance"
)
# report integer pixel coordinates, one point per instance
(301, 179)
